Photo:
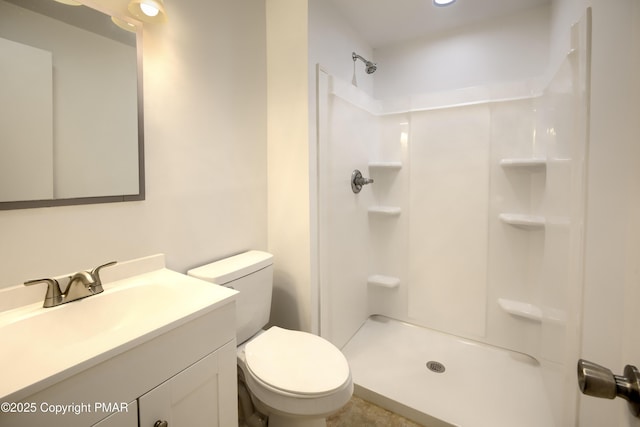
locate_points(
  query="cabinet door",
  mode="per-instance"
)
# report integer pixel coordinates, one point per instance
(204, 394)
(128, 418)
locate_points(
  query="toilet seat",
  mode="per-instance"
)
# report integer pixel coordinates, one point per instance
(296, 362)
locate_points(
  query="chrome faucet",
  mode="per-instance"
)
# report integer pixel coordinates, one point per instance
(81, 285)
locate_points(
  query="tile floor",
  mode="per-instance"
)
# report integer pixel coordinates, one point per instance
(360, 413)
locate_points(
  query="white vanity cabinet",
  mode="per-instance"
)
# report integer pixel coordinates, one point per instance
(185, 376)
(121, 419)
(197, 396)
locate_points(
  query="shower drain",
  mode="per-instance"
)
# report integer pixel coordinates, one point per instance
(435, 366)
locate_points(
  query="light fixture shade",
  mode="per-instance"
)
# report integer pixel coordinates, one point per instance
(441, 3)
(151, 11)
(123, 24)
(69, 2)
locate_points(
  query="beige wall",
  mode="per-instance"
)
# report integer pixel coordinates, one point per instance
(205, 125)
(288, 161)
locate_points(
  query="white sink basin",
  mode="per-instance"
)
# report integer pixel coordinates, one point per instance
(43, 346)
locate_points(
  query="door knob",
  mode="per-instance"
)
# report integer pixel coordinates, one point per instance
(598, 381)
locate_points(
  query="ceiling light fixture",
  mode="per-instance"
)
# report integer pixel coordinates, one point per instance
(148, 10)
(441, 3)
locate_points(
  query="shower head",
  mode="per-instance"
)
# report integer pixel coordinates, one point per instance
(370, 66)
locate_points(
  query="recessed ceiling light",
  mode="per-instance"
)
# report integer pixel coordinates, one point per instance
(441, 3)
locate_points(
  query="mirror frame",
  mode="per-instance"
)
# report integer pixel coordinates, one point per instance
(29, 204)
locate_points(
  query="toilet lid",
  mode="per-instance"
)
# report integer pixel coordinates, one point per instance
(296, 362)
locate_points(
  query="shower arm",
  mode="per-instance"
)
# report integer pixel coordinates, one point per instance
(355, 57)
(371, 67)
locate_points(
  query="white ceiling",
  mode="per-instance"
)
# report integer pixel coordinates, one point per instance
(384, 22)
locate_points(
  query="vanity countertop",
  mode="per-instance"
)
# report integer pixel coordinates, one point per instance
(142, 299)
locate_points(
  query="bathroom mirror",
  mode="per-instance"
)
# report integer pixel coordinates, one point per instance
(71, 120)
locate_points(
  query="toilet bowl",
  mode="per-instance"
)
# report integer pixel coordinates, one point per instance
(295, 375)
(295, 378)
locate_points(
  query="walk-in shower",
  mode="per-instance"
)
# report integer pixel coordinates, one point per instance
(465, 251)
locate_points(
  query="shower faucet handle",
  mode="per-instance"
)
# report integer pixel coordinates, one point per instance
(598, 381)
(358, 181)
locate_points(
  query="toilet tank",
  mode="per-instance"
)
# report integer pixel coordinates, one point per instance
(251, 274)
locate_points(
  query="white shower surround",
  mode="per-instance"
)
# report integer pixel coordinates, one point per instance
(534, 271)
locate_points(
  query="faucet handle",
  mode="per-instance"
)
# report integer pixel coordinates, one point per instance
(96, 275)
(53, 296)
(357, 181)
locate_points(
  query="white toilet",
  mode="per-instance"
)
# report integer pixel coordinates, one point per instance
(295, 378)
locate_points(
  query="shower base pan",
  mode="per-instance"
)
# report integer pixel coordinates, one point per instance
(440, 380)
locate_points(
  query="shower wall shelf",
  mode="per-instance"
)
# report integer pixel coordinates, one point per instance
(521, 309)
(385, 210)
(532, 164)
(382, 281)
(385, 165)
(523, 221)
